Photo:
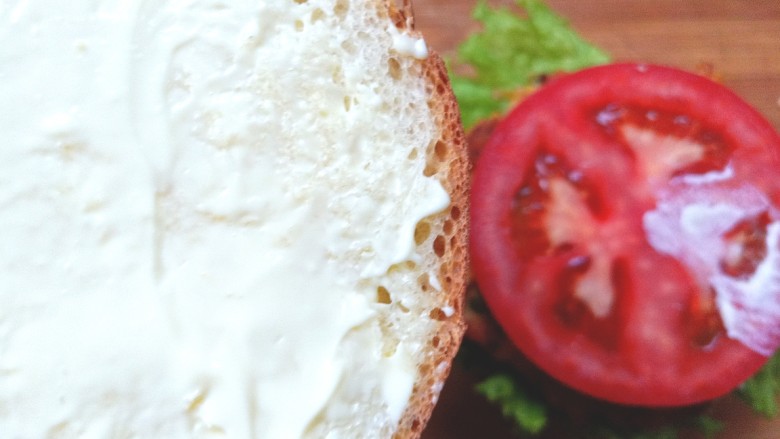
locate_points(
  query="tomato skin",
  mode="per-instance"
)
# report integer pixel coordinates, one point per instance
(661, 341)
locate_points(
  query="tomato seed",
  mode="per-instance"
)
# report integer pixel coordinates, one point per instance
(746, 246)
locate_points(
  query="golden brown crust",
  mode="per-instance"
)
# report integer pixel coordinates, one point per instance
(401, 14)
(448, 160)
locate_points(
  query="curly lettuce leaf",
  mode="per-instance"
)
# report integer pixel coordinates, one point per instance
(529, 414)
(763, 389)
(512, 51)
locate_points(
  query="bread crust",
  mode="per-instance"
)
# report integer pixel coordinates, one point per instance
(448, 161)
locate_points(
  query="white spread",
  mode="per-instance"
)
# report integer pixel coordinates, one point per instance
(408, 45)
(689, 223)
(175, 261)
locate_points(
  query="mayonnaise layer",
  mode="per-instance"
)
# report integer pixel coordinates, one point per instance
(690, 224)
(191, 224)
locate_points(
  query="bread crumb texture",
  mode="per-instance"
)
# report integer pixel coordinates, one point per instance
(420, 298)
(446, 235)
(261, 205)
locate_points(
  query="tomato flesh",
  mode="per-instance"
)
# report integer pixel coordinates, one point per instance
(623, 234)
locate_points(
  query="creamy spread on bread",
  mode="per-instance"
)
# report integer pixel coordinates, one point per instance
(198, 202)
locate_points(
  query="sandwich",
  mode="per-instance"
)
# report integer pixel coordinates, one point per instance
(241, 219)
(624, 221)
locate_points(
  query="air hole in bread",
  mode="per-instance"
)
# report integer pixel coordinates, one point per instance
(439, 315)
(341, 8)
(401, 268)
(390, 345)
(439, 246)
(454, 242)
(317, 15)
(337, 76)
(383, 296)
(448, 227)
(412, 155)
(422, 232)
(299, 25)
(394, 68)
(365, 38)
(349, 47)
(440, 150)
(430, 170)
(424, 281)
(347, 103)
(455, 213)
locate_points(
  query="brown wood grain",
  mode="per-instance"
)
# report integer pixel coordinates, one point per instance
(740, 38)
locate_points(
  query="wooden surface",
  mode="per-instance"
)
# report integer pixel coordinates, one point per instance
(740, 38)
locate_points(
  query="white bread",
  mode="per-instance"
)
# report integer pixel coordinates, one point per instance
(157, 193)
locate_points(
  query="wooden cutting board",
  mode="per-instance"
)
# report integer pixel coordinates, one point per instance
(739, 38)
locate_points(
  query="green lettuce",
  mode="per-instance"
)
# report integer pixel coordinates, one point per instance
(528, 413)
(512, 51)
(763, 389)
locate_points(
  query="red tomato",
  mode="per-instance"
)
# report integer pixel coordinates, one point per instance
(626, 234)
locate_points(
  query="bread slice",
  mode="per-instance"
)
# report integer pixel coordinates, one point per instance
(228, 219)
(445, 233)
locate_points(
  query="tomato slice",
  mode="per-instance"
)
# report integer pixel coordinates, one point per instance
(626, 234)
